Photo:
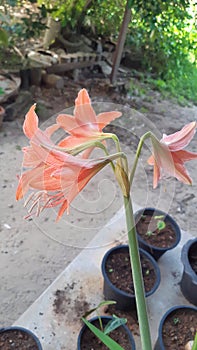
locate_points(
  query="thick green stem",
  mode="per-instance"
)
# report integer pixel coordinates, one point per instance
(137, 277)
(139, 148)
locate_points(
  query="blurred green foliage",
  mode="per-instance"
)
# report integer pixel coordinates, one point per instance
(21, 20)
(162, 34)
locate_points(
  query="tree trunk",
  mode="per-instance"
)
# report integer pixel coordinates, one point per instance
(121, 41)
(51, 32)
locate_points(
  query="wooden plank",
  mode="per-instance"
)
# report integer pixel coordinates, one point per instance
(64, 67)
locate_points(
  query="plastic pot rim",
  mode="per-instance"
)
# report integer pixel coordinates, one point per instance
(22, 329)
(153, 261)
(184, 257)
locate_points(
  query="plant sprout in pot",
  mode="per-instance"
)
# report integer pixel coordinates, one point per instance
(111, 331)
(58, 172)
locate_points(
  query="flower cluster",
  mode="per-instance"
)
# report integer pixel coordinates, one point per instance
(57, 173)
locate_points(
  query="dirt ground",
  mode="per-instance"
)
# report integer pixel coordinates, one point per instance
(34, 252)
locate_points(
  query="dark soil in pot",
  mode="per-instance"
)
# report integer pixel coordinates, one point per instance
(18, 339)
(118, 269)
(179, 327)
(90, 342)
(192, 256)
(157, 231)
(163, 238)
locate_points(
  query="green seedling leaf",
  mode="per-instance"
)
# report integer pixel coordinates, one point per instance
(143, 217)
(101, 304)
(194, 346)
(176, 320)
(110, 343)
(161, 225)
(157, 217)
(113, 324)
(149, 233)
(1, 90)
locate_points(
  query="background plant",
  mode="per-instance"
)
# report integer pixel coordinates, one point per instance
(21, 19)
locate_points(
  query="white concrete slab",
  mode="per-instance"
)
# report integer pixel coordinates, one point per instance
(81, 284)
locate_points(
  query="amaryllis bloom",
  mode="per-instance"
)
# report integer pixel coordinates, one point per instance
(56, 175)
(58, 179)
(85, 123)
(169, 155)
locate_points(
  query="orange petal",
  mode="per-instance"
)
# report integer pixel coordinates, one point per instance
(72, 141)
(84, 114)
(180, 139)
(151, 160)
(181, 174)
(185, 156)
(30, 158)
(67, 122)
(30, 125)
(25, 179)
(82, 98)
(51, 129)
(156, 175)
(106, 117)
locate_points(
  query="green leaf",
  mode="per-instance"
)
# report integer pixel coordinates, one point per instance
(114, 323)
(101, 304)
(149, 233)
(110, 343)
(161, 225)
(3, 37)
(157, 217)
(194, 347)
(2, 91)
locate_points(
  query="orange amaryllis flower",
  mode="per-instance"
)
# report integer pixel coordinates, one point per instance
(169, 157)
(58, 178)
(85, 123)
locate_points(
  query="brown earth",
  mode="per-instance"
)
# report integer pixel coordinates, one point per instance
(34, 252)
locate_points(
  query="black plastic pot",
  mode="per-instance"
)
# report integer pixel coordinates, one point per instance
(105, 320)
(125, 301)
(159, 343)
(157, 252)
(189, 277)
(9, 330)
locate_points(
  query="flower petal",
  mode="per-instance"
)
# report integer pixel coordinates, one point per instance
(181, 174)
(106, 117)
(185, 156)
(82, 98)
(51, 129)
(151, 160)
(180, 139)
(156, 175)
(30, 158)
(30, 125)
(72, 141)
(67, 122)
(84, 114)
(25, 179)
